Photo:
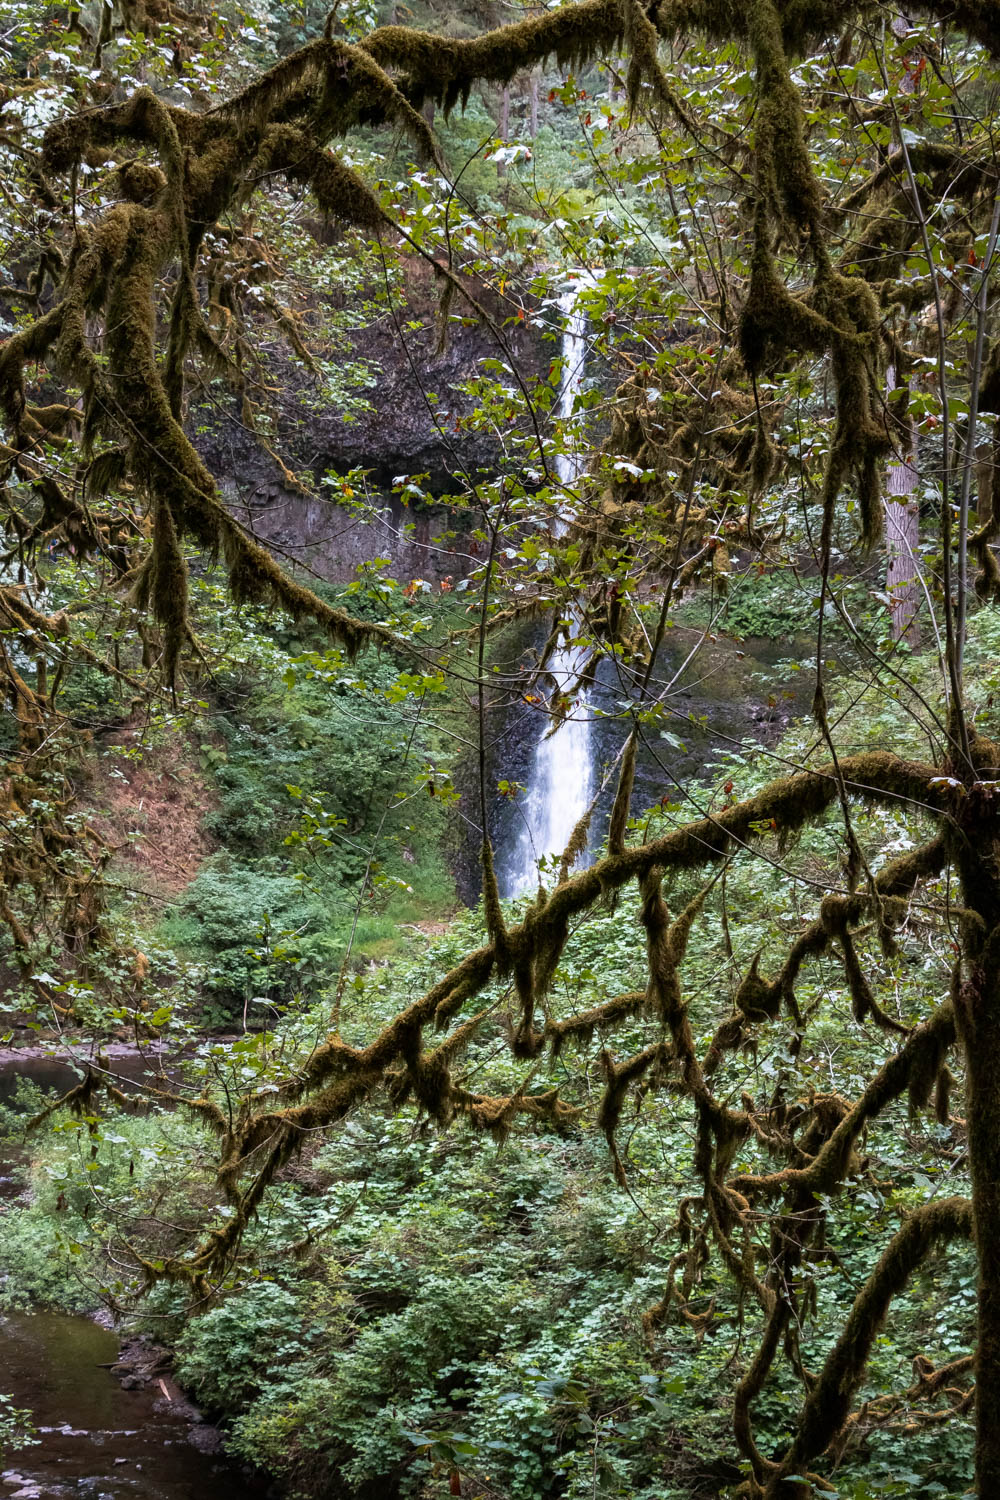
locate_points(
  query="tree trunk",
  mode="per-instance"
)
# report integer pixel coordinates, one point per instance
(980, 1024)
(902, 538)
(902, 516)
(977, 1015)
(533, 105)
(901, 579)
(503, 125)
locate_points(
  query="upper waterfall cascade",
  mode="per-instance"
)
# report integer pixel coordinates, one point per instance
(561, 785)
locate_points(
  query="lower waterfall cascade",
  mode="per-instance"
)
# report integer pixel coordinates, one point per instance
(561, 784)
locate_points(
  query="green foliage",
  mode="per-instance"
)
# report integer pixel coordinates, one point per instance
(261, 933)
(86, 1175)
(16, 1428)
(40, 1267)
(408, 1305)
(234, 1351)
(92, 699)
(318, 775)
(776, 607)
(484, 1296)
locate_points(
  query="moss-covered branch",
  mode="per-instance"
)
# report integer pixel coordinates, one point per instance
(829, 1401)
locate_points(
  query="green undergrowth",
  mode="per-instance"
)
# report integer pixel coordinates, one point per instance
(328, 803)
(770, 604)
(416, 1303)
(289, 816)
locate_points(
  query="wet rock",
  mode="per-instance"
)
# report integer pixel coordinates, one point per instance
(178, 1408)
(205, 1439)
(130, 1381)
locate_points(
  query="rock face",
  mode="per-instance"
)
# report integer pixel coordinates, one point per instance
(404, 432)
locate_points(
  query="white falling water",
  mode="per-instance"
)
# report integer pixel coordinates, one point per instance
(560, 788)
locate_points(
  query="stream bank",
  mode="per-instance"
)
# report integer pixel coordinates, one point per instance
(109, 1421)
(96, 1438)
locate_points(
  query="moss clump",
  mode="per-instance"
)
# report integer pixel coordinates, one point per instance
(758, 999)
(138, 182)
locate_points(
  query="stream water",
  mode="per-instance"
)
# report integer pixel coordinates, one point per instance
(97, 1439)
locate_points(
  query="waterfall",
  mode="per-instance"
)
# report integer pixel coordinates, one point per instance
(561, 782)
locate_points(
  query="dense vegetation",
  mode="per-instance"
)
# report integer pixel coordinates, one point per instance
(680, 1177)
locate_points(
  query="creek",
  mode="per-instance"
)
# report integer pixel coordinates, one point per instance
(97, 1439)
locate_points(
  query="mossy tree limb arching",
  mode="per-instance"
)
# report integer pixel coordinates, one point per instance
(817, 1141)
(209, 163)
(828, 1403)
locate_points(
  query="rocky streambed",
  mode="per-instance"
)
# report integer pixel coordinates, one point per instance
(110, 1422)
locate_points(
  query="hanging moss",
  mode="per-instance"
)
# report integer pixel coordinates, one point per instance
(445, 69)
(642, 42)
(618, 1079)
(496, 1114)
(926, 1072)
(942, 1095)
(666, 944)
(339, 190)
(583, 1026)
(728, 1037)
(758, 999)
(577, 844)
(495, 924)
(623, 797)
(548, 940)
(922, 1052)
(784, 174)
